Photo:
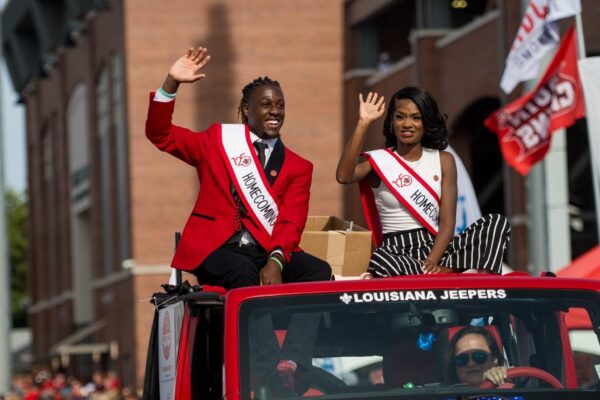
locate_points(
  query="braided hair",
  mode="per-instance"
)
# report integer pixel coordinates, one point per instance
(249, 89)
(434, 122)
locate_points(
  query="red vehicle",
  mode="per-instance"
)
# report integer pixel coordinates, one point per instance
(380, 338)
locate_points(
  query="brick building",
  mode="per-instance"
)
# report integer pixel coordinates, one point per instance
(104, 203)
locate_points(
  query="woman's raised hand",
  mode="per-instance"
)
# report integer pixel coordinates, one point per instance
(349, 170)
(187, 68)
(372, 108)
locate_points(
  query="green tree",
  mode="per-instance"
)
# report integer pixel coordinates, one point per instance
(16, 220)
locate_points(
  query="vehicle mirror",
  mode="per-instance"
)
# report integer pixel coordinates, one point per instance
(444, 316)
(406, 320)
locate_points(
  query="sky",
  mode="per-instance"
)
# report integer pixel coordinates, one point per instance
(12, 116)
(12, 132)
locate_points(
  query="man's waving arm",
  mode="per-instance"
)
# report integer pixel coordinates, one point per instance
(178, 141)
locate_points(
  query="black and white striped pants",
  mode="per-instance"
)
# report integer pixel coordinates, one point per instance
(480, 246)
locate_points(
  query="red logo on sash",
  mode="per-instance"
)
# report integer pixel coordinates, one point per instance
(242, 160)
(402, 180)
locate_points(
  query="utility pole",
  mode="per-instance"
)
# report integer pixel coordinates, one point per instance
(514, 184)
(5, 308)
(550, 232)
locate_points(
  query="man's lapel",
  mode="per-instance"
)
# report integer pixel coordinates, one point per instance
(275, 162)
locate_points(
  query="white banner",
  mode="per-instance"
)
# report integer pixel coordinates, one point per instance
(537, 35)
(467, 206)
(169, 330)
(558, 9)
(589, 74)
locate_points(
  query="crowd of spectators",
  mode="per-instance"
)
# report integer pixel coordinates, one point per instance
(44, 385)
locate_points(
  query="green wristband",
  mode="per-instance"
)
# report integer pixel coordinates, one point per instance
(169, 95)
(277, 261)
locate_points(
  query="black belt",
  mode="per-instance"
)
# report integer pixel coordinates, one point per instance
(236, 240)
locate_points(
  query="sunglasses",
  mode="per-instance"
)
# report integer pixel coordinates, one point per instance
(479, 357)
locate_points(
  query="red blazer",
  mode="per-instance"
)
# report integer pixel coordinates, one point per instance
(210, 223)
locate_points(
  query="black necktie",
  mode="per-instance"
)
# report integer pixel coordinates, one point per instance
(260, 151)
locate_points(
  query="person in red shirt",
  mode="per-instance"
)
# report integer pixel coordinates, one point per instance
(244, 229)
(246, 224)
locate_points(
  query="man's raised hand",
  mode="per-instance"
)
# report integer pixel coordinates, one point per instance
(189, 66)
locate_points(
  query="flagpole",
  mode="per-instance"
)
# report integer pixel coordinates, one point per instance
(580, 39)
(547, 182)
(581, 54)
(535, 184)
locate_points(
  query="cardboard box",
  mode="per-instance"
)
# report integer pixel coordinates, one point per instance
(345, 246)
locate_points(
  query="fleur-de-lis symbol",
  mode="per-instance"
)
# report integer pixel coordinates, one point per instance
(346, 298)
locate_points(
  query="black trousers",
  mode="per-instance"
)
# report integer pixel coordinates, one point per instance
(233, 266)
(480, 246)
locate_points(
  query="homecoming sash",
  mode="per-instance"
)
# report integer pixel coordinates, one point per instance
(247, 176)
(408, 187)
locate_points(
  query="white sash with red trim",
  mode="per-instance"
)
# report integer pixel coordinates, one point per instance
(408, 187)
(247, 176)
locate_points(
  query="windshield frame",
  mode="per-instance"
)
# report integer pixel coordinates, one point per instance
(239, 300)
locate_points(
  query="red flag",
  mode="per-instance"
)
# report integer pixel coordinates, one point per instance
(524, 127)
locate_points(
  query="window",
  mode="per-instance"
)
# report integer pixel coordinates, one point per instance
(122, 170)
(79, 171)
(103, 128)
(409, 342)
(50, 212)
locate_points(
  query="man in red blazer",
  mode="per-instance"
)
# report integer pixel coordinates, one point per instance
(247, 221)
(251, 209)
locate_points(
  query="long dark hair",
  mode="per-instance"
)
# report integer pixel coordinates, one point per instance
(434, 122)
(450, 367)
(249, 88)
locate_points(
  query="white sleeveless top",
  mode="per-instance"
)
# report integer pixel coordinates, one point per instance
(393, 215)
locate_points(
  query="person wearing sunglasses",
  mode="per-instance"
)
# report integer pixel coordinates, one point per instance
(473, 356)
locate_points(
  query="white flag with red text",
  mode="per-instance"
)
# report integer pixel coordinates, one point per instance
(524, 126)
(538, 34)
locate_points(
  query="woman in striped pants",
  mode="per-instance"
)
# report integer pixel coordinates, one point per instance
(409, 192)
